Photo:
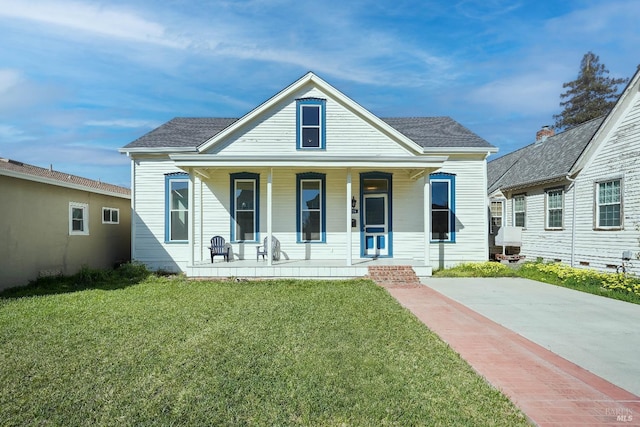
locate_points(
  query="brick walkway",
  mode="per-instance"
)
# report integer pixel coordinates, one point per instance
(550, 390)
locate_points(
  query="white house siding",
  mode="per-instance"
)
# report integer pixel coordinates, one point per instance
(346, 133)
(471, 219)
(538, 242)
(149, 218)
(211, 213)
(617, 157)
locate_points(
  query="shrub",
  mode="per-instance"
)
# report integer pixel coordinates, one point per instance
(478, 269)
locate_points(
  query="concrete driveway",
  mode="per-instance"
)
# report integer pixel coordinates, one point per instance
(599, 334)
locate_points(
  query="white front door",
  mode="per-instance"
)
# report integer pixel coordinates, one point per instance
(375, 225)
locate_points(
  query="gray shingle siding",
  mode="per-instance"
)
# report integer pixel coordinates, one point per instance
(425, 131)
(543, 161)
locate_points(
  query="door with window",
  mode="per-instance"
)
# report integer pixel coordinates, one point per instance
(376, 225)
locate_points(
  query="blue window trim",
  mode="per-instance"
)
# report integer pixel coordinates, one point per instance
(322, 103)
(389, 193)
(323, 213)
(246, 176)
(451, 179)
(178, 176)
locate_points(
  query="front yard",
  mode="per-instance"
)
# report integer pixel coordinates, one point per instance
(167, 351)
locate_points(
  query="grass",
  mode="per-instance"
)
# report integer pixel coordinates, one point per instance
(167, 351)
(610, 285)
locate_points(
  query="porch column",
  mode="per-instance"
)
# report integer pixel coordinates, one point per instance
(349, 232)
(192, 216)
(427, 220)
(269, 248)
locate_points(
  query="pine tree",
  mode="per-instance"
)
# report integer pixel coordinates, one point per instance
(592, 94)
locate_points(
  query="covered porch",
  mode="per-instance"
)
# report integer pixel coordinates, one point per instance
(344, 252)
(295, 268)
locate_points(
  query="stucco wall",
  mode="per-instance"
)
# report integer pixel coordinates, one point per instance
(34, 231)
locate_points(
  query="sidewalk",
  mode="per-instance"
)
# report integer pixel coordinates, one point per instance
(550, 390)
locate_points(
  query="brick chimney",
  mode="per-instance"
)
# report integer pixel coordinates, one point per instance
(544, 133)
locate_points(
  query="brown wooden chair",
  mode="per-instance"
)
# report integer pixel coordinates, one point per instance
(219, 247)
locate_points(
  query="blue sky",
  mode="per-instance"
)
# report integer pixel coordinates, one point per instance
(81, 78)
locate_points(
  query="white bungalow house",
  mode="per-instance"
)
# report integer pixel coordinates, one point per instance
(338, 187)
(574, 196)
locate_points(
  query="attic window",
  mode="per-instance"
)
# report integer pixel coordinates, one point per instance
(310, 122)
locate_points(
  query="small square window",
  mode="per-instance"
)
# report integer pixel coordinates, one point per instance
(110, 216)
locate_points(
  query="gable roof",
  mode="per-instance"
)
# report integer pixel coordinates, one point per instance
(625, 101)
(541, 161)
(21, 170)
(437, 132)
(182, 132)
(427, 132)
(417, 133)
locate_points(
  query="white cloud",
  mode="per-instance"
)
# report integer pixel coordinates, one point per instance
(9, 79)
(523, 94)
(123, 123)
(91, 18)
(486, 9)
(13, 134)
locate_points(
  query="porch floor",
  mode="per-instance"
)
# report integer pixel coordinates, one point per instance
(316, 269)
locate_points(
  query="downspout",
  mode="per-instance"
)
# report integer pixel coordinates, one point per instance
(573, 221)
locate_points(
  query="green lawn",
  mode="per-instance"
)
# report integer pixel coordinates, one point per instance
(167, 351)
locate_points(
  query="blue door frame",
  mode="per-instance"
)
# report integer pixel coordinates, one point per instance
(376, 232)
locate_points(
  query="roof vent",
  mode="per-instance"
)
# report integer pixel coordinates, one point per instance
(544, 133)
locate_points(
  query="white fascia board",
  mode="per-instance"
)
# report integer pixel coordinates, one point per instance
(255, 112)
(372, 118)
(212, 160)
(325, 87)
(459, 150)
(155, 150)
(624, 102)
(58, 183)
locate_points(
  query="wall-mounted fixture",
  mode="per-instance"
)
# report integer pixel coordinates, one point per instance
(353, 202)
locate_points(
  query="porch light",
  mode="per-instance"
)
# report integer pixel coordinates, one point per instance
(353, 202)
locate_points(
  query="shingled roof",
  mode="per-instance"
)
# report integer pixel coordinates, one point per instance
(182, 132)
(543, 161)
(436, 132)
(15, 168)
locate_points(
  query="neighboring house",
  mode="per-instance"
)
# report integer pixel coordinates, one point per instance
(54, 223)
(575, 195)
(336, 185)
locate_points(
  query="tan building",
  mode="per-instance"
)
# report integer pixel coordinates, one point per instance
(54, 223)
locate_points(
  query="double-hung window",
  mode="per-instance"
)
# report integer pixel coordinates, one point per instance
(443, 207)
(554, 208)
(311, 201)
(519, 211)
(78, 219)
(310, 122)
(609, 204)
(244, 206)
(497, 212)
(177, 208)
